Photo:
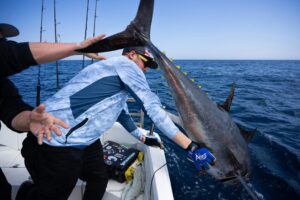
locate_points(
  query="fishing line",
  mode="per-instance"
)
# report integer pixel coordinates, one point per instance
(153, 177)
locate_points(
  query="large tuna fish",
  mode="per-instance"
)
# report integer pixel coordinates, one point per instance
(203, 120)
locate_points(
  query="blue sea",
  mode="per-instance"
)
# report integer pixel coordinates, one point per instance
(267, 98)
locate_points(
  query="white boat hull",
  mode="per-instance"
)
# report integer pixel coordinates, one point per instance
(156, 170)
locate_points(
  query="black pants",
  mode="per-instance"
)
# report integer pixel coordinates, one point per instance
(55, 170)
(5, 187)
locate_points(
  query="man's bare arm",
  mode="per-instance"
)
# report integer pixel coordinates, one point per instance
(48, 52)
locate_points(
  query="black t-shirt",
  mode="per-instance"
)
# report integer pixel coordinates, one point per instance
(14, 57)
(11, 102)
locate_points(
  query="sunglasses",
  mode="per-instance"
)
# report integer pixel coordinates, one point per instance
(144, 59)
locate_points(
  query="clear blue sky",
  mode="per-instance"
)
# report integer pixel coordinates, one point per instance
(185, 29)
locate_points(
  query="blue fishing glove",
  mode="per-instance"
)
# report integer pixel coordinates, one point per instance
(153, 141)
(200, 155)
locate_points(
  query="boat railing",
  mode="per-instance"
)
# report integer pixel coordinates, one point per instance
(140, 114)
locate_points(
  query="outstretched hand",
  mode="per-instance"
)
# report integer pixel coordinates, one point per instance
(89, 42)
(41, 124)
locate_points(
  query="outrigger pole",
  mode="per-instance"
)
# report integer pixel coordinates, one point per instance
(86, 23)
(38, 86)
(55, 37)
(95, 17)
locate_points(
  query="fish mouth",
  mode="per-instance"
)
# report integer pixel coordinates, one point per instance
(234, 179)
(228, 179)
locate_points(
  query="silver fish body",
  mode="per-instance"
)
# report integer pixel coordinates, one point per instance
(206, 122)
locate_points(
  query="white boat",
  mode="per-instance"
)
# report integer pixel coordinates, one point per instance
(157, 183)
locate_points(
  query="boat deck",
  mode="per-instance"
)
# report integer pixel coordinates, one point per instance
(12, 164)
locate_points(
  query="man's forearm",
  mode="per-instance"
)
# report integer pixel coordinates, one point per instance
(182, 140)
(48, 52)
(21, 121)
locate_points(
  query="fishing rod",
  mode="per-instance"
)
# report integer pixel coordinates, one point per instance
(95, 16)
(55, 38)
(38, 86)
(86, 22)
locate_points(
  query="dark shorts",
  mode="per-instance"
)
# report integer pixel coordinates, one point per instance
(55, 170)
(5, 187)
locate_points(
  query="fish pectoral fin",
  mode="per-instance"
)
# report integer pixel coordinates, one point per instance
(247, 134)
(176, 119)
(227, 104)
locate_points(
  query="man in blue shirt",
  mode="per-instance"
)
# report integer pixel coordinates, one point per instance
(91, 103)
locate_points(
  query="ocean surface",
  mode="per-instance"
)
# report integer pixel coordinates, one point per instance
(267, 98)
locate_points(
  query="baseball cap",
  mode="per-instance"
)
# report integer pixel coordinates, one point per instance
(8, 30)
(145, 55)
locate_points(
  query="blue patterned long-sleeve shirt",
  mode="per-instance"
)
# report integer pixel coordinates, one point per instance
(95, 99)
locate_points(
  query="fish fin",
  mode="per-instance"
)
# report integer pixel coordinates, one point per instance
(247, 134)
(136, 33)
(227, 104)
(178, 122)
(176, 119)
